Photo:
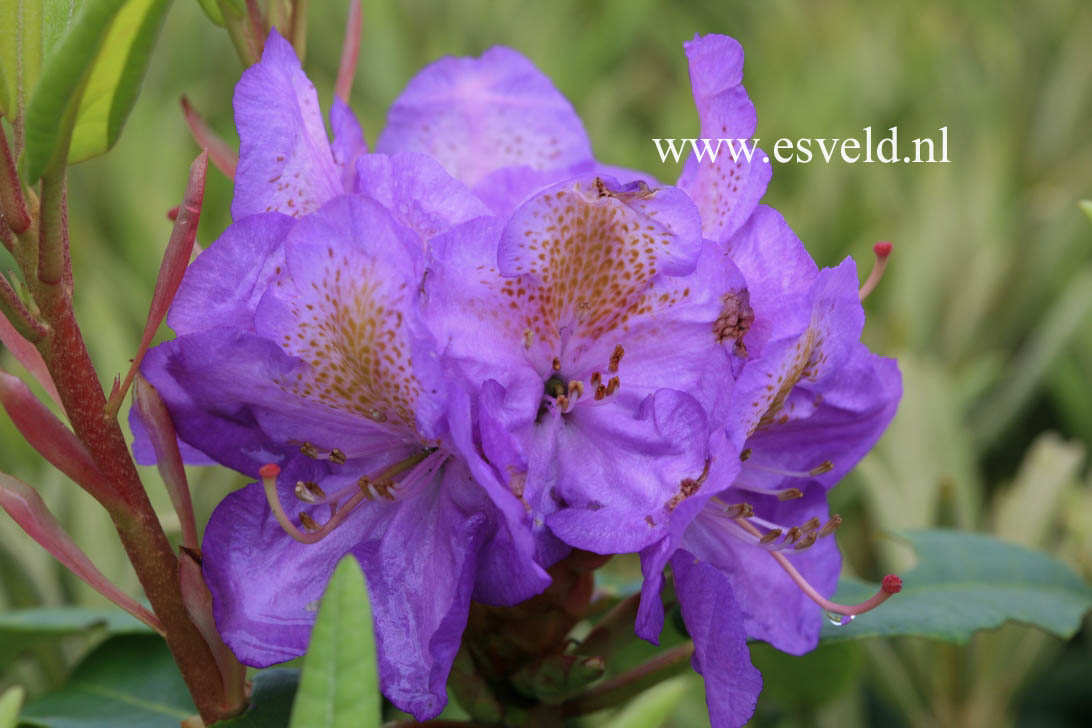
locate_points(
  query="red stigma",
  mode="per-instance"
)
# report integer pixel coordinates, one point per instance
(271, 470)
(891, 583)
(882, 248)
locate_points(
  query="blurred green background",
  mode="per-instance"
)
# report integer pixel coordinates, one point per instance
(987, 303)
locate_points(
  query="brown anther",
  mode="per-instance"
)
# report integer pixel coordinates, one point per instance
(309, 450)
(824, 467)
(596, 379)
(576, 387)
(309, 491)
(790, 494)
(612, 385)
(793, 534)
(562, 402)
(600, 392)
(808, 539)
(337, 457)
(528, 338)
(831, 526)
(740, 510)
(308, 522)
(384, 488)
(811, 524)
(556, 365)
(616, 358)
(365, 484)
(745, 455)
(770, 536)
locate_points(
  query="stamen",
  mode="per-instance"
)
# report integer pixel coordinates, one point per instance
(596, 379)
(309, 450)
(745, 455)
(831, 527)
(308, 522)
(770, 536)
(528, 338)
(576, 387)
(616, 358)
(882, 250)
(809, 539)
(382, 484)
(891, 584)
(740, 510)
(783, 494)
(600, 393)
(556, 364)
(309, 491)
(337, 457)
(824, 467)
(563, 403)
(811, 524)
(612, 385)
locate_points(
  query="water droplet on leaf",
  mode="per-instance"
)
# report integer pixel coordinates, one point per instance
(838, 620)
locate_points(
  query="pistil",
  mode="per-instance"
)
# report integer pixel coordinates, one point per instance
(892, 584)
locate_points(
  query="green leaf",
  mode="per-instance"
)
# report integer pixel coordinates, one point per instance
(115, 81)
(270, 701)
(654, 706)
(128, 682)
(807, 681)
(22, 629)
(1086, 205)
(78, 108)
(965, 582)
(339, 687)
(10, 702)
(212, 9)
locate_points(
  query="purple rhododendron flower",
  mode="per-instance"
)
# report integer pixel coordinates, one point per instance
(464, 355)
(300, 344)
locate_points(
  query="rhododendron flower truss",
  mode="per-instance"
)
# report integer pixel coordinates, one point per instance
(464, 356)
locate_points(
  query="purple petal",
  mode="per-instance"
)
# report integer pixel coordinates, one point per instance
(715, 623)
(508, 573)
(223, 286)
(616, 470)
(728, 189)
(779, 274)
(144, 452)
(348, 142)
(419, 556)
(285, 162)
(418, 192)
(475, 115)
(348, 310)
(774, 609)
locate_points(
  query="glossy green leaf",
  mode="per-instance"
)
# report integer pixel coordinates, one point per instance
(22, 629)
(78, 108)
(807, 681)
(115, 81)
(10, 702)
(128, 682)
(965, 582)
(339, 687)
(270, 701)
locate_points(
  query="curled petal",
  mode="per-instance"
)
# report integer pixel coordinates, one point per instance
(28, 510)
